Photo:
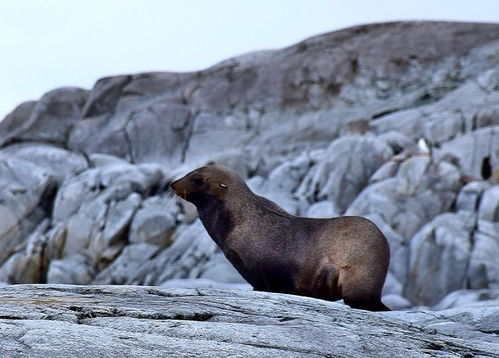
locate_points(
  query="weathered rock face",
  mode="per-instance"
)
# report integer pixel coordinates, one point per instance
(78, 321)
(326, 127)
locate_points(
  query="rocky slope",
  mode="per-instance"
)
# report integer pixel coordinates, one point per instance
(326, 127)
(138, 321)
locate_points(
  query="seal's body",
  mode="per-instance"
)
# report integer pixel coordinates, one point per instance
(340, 258)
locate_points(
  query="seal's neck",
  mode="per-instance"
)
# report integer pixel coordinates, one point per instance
(217, 220)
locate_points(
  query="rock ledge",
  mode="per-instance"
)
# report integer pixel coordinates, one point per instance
(136, 321)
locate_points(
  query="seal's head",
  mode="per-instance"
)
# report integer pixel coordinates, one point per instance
(206, 184)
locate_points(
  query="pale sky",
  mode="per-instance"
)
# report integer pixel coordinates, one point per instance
(45, 44)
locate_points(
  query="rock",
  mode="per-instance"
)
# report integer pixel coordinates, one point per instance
(105, 95)
(483, 270)
(154, 222)
(392, 285)
(75, 319)
(241, 100)
(114, 235)
(489, 205)
(396, 302)
(469, 298)
(27, 265)
(345, 170)
(469, 324)
(470, 195)
(10, 125)
(161, 127)
(420, 190)
(50, 120)
(458, 112)
(322, 209)
(205, 283)
(78, 268)
(218, 269)
(440, 250)
(25, 187)
(131, 259)
(60, 163)
(98, 205)
(192, 248)
(283, 181)
(399, 252)
(471, 148)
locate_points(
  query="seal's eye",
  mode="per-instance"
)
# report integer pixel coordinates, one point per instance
(222, 185)
(197, 179)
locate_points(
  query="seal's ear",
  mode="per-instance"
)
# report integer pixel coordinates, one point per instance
(222, 185)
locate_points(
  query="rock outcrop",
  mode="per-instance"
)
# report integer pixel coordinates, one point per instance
(327, 127)
(140, 321)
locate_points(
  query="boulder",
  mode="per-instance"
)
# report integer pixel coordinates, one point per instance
(440, 250)
(344, 170)
(483, 269)
(50, 119)
(420, 190)
(25, 189)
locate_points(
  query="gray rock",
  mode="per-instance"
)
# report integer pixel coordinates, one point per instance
(392, 285)
(105, 95)
(345, 170)
(50, 120)
(322, 209)
(24, 187)
(483, 269)
(396, 302)
(440, 250)
(471, 148)
(28, 264)
(59, 162)
(489, 205)
(205, 283)
(469, 298)
(241, 100)
(458, 112)
(154, 222)
(192, 248)
(161, 127)
(98, 205)
(420, 190)
(15, 120)
(219, 269)
(469, 323)
(58, 320)
(470, 195)
(283, 182)
(79, 268)
(131, 259)
(399, 251)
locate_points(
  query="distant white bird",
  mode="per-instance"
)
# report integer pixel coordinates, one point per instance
(423, 146)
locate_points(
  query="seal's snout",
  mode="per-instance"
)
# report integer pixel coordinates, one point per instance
(178, 188)
(174, 186)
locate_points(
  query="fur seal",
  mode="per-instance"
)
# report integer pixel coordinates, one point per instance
(340, 258)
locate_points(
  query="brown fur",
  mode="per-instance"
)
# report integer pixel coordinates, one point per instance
(340, 258)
